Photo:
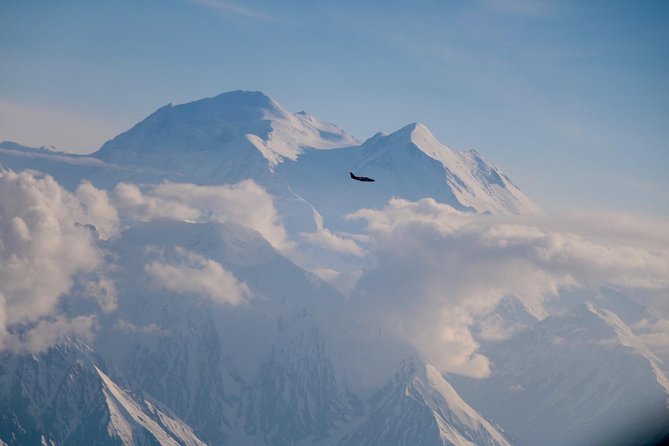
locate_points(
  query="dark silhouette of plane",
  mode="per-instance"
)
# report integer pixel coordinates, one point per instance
(364, 179)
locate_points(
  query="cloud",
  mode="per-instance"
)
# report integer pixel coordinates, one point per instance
(244, 203)
(128, 327)
(325, 238)
(42, 248)
(101, 289)
(97, 209)
(655, 335)
(52, 330)
(436, 272)
(40, 125)
(48, 242)
(190, 273)
(493, 327)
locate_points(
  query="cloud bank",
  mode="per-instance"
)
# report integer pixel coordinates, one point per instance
(435, 271)
(49, 240)
(434, 277)
(245, 203)
(42, 247)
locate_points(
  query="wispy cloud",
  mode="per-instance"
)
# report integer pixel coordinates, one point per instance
(230, 8)
(190, 273)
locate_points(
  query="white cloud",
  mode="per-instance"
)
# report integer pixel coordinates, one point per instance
(97, 209)
(128, 327)
(190, 273)
(42, 247)
(493, 327)
(51, 331)
(655, 335)
(244, 203)
(103, 290)
(437, 271)
(325, 238)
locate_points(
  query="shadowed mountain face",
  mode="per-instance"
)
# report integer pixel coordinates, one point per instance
(62, 397)
(582, 378)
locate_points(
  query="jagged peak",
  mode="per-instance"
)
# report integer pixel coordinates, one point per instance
(415, 132)
(412, 136)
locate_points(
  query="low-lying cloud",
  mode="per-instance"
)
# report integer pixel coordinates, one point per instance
(329, 240)
(245, 203)
(435, 271)
(190, 273)
(42, 248)
(49, 239)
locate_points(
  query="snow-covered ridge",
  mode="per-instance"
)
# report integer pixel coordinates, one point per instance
(62, 397)
(238, 118)
(418, 406)
(584, 370)
(625, 336)
(240, 134)
(475, 182)
(130, 423)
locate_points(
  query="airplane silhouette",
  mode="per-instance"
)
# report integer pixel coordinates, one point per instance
(364, 179)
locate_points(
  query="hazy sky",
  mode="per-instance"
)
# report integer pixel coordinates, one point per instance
(571, 99)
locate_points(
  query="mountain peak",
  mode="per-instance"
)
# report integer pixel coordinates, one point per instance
(241, 124)
(234, 106)
(243, 98)
(416, 133)
(412, 136)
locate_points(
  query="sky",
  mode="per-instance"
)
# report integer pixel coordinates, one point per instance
(569, 98)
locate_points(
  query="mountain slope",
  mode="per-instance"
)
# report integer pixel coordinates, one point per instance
(62, 397)
(410, 164)
(578, 379)
(239, 122)
(277, 369)
(240, 135)
(419, 407)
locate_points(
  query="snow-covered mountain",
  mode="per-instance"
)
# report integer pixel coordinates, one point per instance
(581, 378)
(210, 331)
(241, 135)
(235, 125)
(62, 397)
(276, 369)
(410, 164)
(418, 406)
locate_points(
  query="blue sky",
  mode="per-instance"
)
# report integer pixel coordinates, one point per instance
(571, 99)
